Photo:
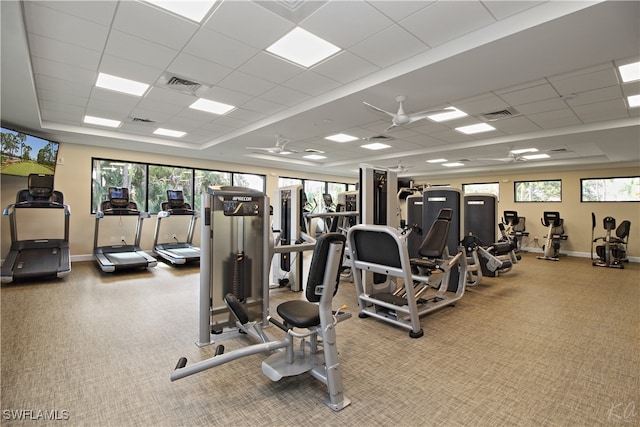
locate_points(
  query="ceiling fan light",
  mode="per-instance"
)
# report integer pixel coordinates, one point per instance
(524, 150)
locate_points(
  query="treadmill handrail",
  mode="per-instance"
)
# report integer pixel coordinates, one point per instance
(37, 205)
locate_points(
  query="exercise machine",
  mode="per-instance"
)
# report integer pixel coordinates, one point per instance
(378, 196)
(515, 228)
(120, 256)
(382, 250)
(288, 216)
(176, 252)
(301, 320)
(555, 235)
(37, 256)
(482, 261)
(613, 251)
(236, 250)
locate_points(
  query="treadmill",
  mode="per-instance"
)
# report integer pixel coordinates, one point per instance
(42, 257)
(176, 252)
(122, 256)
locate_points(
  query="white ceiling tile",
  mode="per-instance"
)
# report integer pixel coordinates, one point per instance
(170, 97)
(64, 86)
(606, 110)
(351, 22)
(249, 23)
(149, 23)
(62, 98)
(389, 46)
(62, 115)
(44, 47)
(156, 114)
(247, 115)
(263, 106)
(246, 83)
(515, 125)
(598, 95)
(51, 23)
(129, 70)
(481, 104)
(550, 104)
(585, 82)
(63, 71)
(100, 12)
(227, 96)
(311, 83)
(531, 94)
(139, 50)
(270, 68)
(399, 9)
(629, 89)
(443, 21)
(501, 9)
(200, 70)
(119, 105)
(284, 95)
(345, 67)
(555, 119)
(217, 48)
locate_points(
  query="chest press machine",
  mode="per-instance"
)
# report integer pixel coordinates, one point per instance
(383, 250)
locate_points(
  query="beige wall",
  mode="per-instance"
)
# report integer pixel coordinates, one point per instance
(73, 178)
(576, 215)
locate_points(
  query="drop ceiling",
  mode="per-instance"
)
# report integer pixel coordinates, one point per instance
(544, 74)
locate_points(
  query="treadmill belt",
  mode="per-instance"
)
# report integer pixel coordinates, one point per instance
(37, 262)
(125, 258)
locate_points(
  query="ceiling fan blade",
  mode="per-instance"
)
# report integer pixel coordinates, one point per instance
(378, 109)
(261, 148)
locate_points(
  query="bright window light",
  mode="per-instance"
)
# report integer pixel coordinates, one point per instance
(525, 150)
(341, 137)
(453, 114)
(375, 146)
(92, 120)
(314, 157)
(131, 87)
(194, 10)
(211, 106)
(633, 100)
(436, 161)
(630, 72)
(303, 48)
(477, 128)
(536, 156)
(453, 164)
(169, 132)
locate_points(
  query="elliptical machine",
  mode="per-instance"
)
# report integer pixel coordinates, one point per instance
(555, 234)
(613, 252)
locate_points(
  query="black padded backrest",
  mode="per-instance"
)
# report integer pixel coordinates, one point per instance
(376, 247)
(433, 245)
(511, 218)
(318, 265)
(623, 229)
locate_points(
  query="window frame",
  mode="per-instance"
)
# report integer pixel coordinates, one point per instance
(582, 198)
(483, 192)
(515, 191)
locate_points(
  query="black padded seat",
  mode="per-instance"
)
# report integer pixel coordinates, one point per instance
(299, 314)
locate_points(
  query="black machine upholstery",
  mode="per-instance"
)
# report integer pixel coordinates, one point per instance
(622, 232)
(304, 314)
(434, 243)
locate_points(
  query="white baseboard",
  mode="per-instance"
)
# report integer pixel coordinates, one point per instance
(574, 254)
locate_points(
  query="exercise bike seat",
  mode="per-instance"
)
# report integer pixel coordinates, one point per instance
(299, 314)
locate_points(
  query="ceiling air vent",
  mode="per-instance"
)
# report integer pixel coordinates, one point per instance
(558, 150)
(500, 114)
(182, 84)
(379, 138)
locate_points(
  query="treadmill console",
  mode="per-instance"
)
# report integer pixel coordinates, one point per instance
(176, 198)
(40, 186)
(118, 196)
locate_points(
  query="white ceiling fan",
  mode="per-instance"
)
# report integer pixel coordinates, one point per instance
(401, 118)
(399, 167)
(522, 155)
(279, 148)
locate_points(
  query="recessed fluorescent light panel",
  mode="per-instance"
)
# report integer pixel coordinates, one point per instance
(194, 10)
(303, 48)
(630, 72)
(436, 161)
(211, 106)
(92, 120)
(477, 128)
(453, 164)
(454, 113)
(119, 84)
(169, 132)
(375, 146)
(536, 156)
(633, 100)
(341, 137)
(314, 157)
(525, 150)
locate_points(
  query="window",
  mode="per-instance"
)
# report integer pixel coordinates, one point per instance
(623, 189)
(163, 178)
(287, 182)
(204, 179)
(113, 173)
(314, 191)
(248, 180)
(485, 188)
(335, 188)
(538, 191)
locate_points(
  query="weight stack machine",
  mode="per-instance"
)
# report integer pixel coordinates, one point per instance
(235, 257)
(287, 267)
(480, 219)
